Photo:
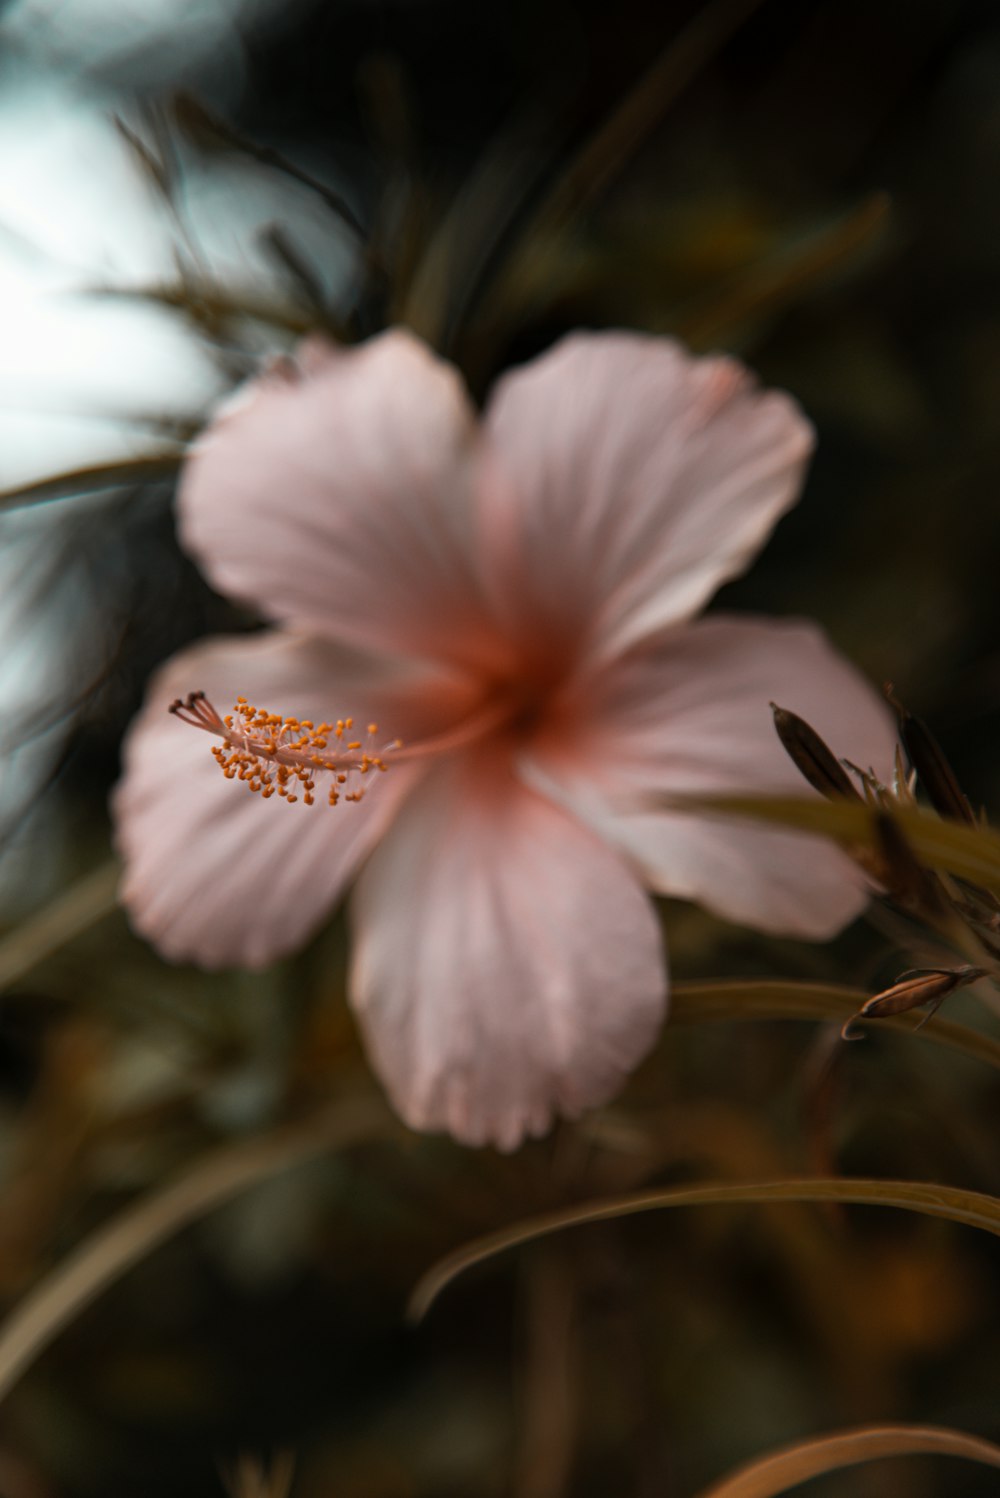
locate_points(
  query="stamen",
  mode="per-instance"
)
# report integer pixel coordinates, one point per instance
(272, 754)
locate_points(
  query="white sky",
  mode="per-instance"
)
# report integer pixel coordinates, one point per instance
(148, 44)
(77, 372)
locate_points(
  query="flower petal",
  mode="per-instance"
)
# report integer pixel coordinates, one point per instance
(507, 966)
(333, 494)
(690, 715)
(215, 875)
(630, 481)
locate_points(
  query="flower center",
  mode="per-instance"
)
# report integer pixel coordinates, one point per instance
(276, 755)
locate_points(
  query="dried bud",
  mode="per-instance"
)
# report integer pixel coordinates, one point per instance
(812, 757)
(930, 986)
(933, 770)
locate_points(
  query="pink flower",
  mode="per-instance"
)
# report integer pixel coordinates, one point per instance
(513, 598)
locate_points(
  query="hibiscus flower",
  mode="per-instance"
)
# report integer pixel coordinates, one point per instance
(512, 598)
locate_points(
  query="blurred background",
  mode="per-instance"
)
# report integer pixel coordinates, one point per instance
(186, 186)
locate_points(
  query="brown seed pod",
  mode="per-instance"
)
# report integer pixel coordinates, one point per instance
(929, 985)
(933, 770)
(812, 756)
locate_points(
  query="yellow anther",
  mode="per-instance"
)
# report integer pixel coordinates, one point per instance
(274, 754)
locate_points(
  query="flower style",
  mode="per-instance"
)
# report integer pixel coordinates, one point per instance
(513, 599)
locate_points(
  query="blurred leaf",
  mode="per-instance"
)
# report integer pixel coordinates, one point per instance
(972, 1208)
(972, 853)
(707, 1003)
(121, 1243)
(792, 1465)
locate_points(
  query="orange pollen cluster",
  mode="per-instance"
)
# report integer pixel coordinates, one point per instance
(282, 756)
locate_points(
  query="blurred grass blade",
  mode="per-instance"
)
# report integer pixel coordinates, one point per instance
(792, 272)
(972, 853)
(288, 258)
(971, 1208)
(161, 169)
(77, 909)
(164, 465)
(209, 307)
(119, 1244)
(473, 233)
(739, 1000)
(623, 132)
(781, 1470)
(606, 152)
(209, 131)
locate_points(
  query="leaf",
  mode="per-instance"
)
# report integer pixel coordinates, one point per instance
(973, 853)
(971, 1208)
(739, 1000)
(791, 1465)
(119, 1244)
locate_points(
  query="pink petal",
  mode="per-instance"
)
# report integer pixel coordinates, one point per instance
(214, 874)
(507, 966)
(334, 496)
(690, 715)
(630, 481)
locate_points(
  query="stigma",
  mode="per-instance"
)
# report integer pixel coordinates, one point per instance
(282, 756)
